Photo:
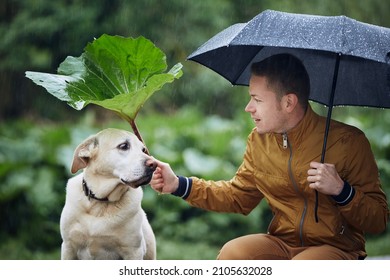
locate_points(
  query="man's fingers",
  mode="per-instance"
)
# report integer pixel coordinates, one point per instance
(312, 172)
(315, 164)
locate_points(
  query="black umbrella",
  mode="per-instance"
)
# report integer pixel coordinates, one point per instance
(348, 61)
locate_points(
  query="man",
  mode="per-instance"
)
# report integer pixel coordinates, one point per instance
(282, 165)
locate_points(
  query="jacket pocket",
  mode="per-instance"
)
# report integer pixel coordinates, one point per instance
(273, 224)
(349, 240)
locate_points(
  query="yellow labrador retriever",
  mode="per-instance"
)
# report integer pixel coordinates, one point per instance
(102, 217)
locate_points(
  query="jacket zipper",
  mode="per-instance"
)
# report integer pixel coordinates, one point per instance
(286, 144)
(285, 141)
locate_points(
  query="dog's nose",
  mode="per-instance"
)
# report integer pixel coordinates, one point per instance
(152, 164)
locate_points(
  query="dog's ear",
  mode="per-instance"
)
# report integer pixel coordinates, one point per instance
(83, 154)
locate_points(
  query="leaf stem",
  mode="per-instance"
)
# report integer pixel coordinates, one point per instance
(137, 133)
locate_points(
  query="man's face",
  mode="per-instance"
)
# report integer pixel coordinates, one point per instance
(265, 108)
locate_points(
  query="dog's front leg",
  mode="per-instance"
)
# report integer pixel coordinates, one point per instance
(133, 253)
(67, 253)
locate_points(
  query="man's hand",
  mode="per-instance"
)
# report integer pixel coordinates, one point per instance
(164, 180)
(324, 178)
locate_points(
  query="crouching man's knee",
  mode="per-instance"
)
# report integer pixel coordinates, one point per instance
(231, 251)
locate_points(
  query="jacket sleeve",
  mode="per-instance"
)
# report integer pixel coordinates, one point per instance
(239, 195)
(368, 208)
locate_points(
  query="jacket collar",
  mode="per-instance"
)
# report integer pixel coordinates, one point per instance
(306, 126)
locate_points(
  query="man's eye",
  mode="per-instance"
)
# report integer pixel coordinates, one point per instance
(124, 146)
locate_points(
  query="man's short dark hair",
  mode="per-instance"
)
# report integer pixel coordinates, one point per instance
(285, 73)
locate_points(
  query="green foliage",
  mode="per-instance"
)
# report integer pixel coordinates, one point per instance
(117, 73)
(31, 185)
(35, 163)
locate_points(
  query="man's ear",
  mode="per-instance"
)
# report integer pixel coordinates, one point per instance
(290, 102)
(83, 154)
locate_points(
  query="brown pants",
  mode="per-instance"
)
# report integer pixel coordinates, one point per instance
(268, 247)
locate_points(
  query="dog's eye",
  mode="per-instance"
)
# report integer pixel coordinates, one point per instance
(124, 146)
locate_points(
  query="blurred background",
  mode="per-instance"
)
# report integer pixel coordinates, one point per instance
(197, 123)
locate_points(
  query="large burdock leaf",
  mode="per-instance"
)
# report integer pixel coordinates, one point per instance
(114, 72)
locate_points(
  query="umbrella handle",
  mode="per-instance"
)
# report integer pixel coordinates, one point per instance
(330, 104)
(328, 118)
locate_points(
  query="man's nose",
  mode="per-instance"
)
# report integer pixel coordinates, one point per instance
(249, 108)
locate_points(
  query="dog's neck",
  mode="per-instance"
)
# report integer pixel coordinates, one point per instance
(88, 193)
(101, 189)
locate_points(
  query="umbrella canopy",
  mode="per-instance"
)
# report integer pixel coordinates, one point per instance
(348, 61)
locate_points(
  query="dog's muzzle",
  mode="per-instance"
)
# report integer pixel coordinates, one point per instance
(151, 165)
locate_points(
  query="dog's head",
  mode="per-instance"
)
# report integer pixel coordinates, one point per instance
(115, 154)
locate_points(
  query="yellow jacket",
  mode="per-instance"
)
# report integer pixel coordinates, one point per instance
(276, 169)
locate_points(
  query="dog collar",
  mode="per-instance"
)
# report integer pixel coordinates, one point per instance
(88, 193)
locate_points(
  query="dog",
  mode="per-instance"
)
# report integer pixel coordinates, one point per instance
(102, 217)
